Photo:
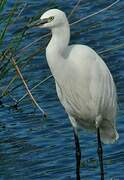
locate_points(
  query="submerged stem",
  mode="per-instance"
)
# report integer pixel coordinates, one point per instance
(26, 86)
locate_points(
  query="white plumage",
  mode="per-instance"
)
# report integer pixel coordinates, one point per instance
(84, 84)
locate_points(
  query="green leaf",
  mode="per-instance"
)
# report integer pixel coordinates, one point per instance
(3, 3)
(9, 21)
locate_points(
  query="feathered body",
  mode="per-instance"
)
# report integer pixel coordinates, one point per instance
(84, 84)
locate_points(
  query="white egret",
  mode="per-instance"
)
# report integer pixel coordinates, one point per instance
(84, 84)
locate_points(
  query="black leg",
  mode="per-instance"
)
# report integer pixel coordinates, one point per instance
(100, 154)
(78, 155)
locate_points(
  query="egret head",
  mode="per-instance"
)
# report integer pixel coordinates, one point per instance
(50, 19)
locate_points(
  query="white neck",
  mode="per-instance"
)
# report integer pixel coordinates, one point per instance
(57, 46)
(60, 38)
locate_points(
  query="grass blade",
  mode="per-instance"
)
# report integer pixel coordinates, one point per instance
(3, 3)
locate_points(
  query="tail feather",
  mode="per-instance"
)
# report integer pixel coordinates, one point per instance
(108, 133)
(108, 136)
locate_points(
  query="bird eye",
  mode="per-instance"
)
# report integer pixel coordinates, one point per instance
(51, 18)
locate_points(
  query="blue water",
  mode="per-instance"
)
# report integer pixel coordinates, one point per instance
(33, 148)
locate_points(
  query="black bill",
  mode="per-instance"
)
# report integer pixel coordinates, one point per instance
(38, 22)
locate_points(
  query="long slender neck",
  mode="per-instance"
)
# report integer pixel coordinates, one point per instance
(60, 39)
(56, 49)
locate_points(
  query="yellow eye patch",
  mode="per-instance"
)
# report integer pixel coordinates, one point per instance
(50, 18)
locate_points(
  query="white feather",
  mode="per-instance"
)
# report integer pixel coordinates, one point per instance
(84, 84)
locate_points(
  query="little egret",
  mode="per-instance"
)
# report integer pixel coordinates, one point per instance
(84, 84)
